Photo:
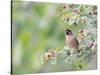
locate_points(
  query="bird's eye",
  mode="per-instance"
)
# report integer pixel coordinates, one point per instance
(67, 33)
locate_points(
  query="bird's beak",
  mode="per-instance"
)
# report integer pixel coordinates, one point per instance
(65, 29)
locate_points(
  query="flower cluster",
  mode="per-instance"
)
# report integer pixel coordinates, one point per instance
(86, 18)
(78, 14)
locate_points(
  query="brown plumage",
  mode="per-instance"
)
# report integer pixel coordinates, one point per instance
(71, 41)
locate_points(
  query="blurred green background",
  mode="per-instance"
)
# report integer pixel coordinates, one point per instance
(35, 28)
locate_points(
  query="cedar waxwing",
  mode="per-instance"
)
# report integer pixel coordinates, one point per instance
(71, 41)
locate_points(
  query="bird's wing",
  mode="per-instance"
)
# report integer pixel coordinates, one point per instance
(76, 41)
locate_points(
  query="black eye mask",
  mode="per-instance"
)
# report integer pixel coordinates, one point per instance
(67, 33)
(68, 30)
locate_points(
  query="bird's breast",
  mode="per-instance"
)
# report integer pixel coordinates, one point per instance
(71, 42)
